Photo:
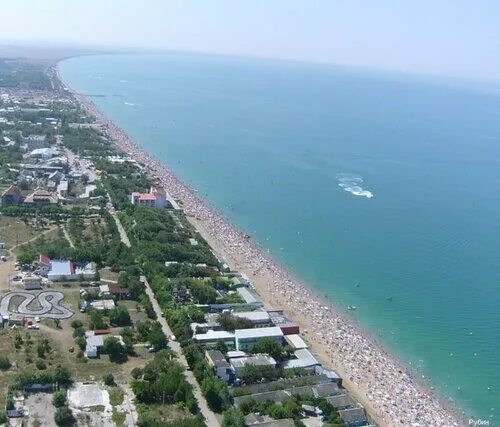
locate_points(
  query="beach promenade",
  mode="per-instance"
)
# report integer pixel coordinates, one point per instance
(384, 386)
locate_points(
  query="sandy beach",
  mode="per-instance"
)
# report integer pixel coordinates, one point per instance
(386, 388)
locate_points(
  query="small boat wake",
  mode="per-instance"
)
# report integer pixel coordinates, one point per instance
(352, 184)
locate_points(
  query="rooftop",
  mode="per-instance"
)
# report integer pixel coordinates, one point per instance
(272, 331)
(296, 341)
(217, 358)
(258, 360)
(254, 316)
(304, 359)
(214, 335)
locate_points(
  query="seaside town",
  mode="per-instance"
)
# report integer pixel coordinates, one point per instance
(127, 300)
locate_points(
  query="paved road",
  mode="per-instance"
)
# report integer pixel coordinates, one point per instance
(210, 418)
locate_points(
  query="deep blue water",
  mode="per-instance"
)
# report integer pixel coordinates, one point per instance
(268, 143)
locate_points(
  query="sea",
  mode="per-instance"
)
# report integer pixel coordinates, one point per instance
(380, 190)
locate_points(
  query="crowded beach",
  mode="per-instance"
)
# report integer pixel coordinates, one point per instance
(390, 393)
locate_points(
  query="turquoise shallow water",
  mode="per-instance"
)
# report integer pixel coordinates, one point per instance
(290, 152)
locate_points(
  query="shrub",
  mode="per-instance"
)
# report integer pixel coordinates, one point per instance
(109, 380)
(40, 364)
(64, 417)
(59, 399)
(4, 363)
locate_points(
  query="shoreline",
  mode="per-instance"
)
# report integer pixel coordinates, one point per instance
(385, 387)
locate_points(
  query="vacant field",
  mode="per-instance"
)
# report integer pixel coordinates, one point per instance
(63, 349)
(24, 357)
(13, 231)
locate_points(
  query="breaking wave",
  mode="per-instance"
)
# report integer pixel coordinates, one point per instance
(352, 184)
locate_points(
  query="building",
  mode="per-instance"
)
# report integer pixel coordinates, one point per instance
(239, 363)
(103, 304)
(12, 196)
(266, 421)
(156, 198)
(304, 359)
(295, 341)
(40, 198)
(286, 325)
(32, 282)
(34, 142)
(247, 296)
(64, 270)
(340, 401)
(259, 319)
(95, 341)
(247, 338)
(210, 338)
(353, 416)
(222, 367)
(43, 153)
(115, 291)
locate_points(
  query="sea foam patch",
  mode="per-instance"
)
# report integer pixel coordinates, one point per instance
(352, 184)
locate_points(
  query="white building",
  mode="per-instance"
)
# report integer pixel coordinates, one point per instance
(247, 338)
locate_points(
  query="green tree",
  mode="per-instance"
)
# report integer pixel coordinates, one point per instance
(4, 363)
(64, 417)
(268, 346)
(216, 392)
(114, 348)
(233, 417)
(97, 320)
(109, 380)
(59, 398)
(119, 316)
(62, 376)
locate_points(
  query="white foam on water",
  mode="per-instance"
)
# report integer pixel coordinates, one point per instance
(130, 104)
(352, 184)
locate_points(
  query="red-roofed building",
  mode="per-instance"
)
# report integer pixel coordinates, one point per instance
(41, 198)
(156, 198)
(12, 196)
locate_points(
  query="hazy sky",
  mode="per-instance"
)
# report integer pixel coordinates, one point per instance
(449, 37)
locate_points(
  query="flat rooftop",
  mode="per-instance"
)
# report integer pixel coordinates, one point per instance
(272, 331)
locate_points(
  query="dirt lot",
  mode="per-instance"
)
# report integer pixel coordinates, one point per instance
(41, 410)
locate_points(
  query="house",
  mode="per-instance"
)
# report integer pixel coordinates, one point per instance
(41, 198)
(119, 292)
(156, 198)
(64, 269)
(12, 196)
(223, 369)
(247, 338)
(258, 360)
(95, 341)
